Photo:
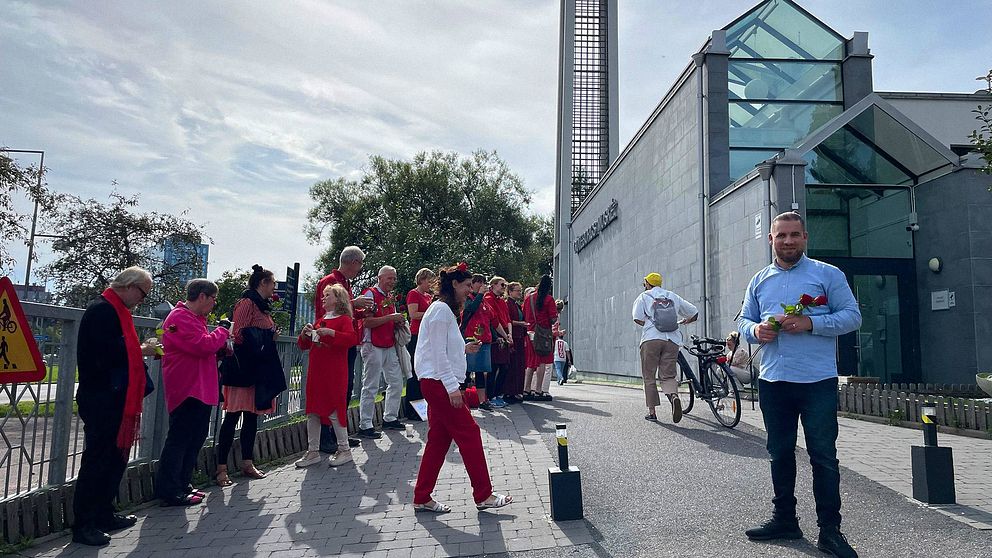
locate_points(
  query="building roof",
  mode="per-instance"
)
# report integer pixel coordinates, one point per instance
(873, 143)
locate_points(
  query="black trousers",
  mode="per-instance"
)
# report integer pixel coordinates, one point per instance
(328, 440)
(188, 425)
(102, 465)
(783, 405)
(249, 428)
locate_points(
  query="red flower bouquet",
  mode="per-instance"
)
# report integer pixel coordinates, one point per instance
(805, 301)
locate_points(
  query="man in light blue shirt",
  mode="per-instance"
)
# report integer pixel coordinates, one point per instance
(799, 377)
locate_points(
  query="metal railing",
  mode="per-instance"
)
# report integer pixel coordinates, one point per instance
(41, 435)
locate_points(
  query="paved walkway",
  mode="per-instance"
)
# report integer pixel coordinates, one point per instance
(881, 453)
(362, 509)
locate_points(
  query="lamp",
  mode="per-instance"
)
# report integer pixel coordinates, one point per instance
(935, 265)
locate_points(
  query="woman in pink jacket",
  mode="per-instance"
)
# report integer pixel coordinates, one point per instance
(189, 378)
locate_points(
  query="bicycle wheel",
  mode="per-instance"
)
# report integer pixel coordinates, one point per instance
(725, 400)
(686, 392)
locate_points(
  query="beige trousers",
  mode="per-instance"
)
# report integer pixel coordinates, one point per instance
(659, 359)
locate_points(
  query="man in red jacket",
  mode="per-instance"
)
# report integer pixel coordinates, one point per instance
(349, 265)
(379, 356)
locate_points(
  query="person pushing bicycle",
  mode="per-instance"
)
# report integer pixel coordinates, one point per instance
(659, 312)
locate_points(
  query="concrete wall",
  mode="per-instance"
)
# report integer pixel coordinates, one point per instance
(955, 217)
(735, 253)
(656, 185)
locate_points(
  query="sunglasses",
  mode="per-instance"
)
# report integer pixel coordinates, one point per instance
(144, 293)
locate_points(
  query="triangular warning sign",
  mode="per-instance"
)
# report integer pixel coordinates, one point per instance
(20, 360)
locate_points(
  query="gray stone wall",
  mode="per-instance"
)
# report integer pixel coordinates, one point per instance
(735, 255)
(955, 217)
(657, 229)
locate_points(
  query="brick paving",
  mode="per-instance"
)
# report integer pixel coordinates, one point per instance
(881, 453)
(364, 508)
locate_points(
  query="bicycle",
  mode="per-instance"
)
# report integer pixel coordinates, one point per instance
(715, 385)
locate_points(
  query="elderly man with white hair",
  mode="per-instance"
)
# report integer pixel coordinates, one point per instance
(379, 355)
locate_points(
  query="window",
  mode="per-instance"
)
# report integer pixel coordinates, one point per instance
(858, 222)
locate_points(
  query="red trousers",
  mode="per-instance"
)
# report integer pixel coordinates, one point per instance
(444, 424)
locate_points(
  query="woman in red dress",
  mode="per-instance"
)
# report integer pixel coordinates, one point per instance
(327, 374)
(539, 310)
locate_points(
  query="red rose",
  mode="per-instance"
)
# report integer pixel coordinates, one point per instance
(462, 266)
(806, 300)
(275, 297)
(820, 300)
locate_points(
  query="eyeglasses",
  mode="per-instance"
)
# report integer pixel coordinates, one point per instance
(502, 284)
(144, 293)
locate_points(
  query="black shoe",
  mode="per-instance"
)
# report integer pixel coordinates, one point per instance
(486, 406)
(118, 522)
(676, 409)
(90, 536)
(561, 382)
(352, 443)
(369, 433)
(832, 541)
(776, 528)
(544, 397)
(529, 396)
(393, 425)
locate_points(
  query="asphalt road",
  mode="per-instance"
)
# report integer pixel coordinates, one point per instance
(692, 489)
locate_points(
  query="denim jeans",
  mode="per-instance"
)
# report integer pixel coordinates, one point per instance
(559, 369)
(783, 404)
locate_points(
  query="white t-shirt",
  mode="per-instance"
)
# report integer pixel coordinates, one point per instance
(440, 351)
(642, 311)
(561, 350)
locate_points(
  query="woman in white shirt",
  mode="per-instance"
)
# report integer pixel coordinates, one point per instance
(440, 364)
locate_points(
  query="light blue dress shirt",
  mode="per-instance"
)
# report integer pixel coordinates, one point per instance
(804, 357)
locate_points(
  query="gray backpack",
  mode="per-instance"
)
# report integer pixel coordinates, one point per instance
(664, 314)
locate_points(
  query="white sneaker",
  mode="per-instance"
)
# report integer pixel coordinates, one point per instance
(310, 458)
(340, 458)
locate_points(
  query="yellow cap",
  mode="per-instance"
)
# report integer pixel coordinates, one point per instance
(653, 279)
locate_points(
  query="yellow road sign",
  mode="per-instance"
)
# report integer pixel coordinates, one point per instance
(20, 360)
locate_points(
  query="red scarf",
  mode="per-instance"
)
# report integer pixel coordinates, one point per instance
(130, 422)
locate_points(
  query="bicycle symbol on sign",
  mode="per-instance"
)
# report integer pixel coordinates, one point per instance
(7, 324)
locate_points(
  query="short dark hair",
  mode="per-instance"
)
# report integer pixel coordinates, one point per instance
(478, 278)
(790, 216)
(196, 287)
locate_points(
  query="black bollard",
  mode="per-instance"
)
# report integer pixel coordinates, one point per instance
(933, 466)
(565, 482)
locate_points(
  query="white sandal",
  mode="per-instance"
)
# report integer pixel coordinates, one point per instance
(495, 501)
(432, 506)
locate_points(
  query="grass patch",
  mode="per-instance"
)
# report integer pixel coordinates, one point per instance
(26, 408)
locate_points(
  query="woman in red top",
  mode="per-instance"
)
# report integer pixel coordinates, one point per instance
(417, 301)
(539, 310)
(251, 310)
(327, 374)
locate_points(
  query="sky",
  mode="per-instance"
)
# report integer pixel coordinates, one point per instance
(232, 110)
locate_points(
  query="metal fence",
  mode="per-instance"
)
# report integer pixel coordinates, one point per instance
(41, 436)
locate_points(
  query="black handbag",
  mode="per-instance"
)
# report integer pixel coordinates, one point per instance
(233, 374)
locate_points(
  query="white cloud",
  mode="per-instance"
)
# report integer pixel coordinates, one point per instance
(234, 109)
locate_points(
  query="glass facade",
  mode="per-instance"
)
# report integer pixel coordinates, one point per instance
(858, 222)
(784, 80)
(873, 148)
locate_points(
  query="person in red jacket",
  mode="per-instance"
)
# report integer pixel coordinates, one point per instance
(350, 263)
(328, 341)
(502, 346)
(379, 356)
(417, 301)
(540, 313)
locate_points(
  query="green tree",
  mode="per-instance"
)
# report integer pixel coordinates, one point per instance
(14, 180)
(230, 286)
(97, 240)
(436, 209)
(982, 137)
